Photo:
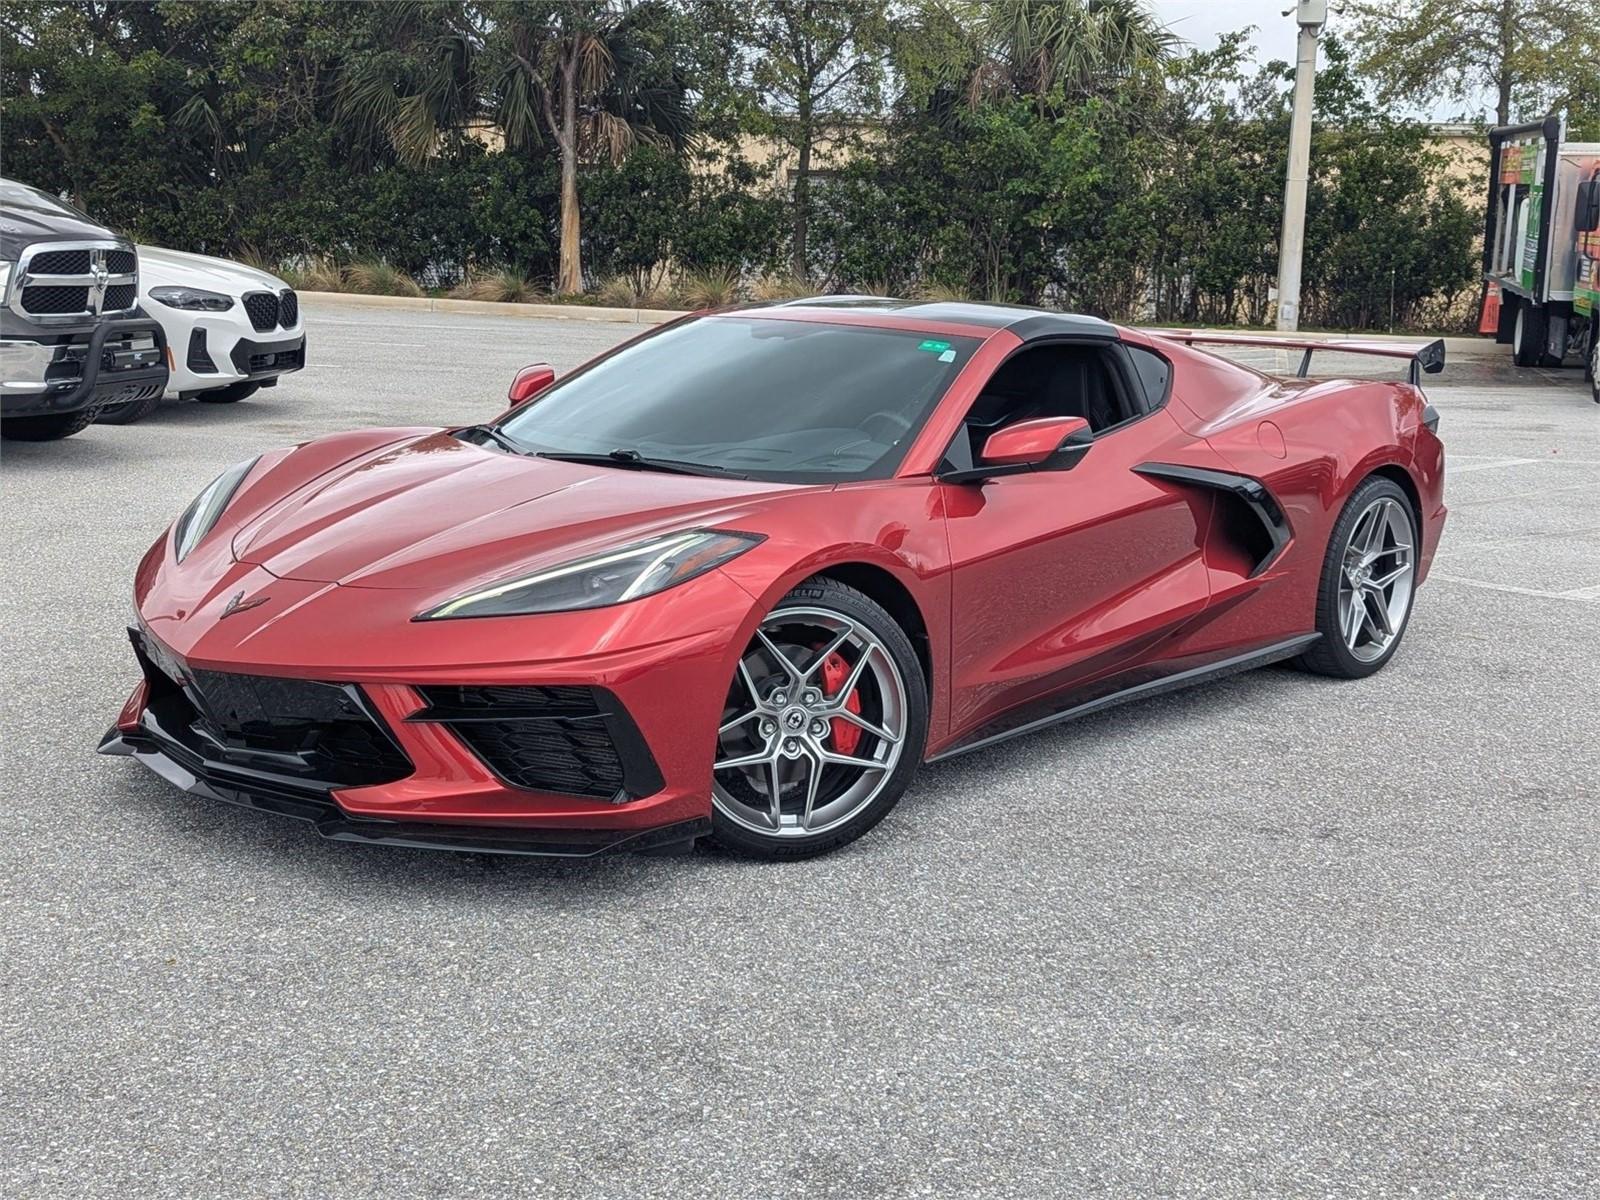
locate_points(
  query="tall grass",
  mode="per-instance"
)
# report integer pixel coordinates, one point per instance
(377, 277)
(784, 285)
(318, 273)
(505, 285)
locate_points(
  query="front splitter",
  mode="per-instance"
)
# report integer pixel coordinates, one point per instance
(321, 812)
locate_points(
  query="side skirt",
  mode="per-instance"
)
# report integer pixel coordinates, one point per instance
(1142, 691)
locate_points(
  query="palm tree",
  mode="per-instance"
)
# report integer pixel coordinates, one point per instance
(1077, 48)
(576, 72)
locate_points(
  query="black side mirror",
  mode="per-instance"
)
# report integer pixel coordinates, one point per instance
(1587, 208)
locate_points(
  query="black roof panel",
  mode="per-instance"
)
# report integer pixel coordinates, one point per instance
(1020, 319)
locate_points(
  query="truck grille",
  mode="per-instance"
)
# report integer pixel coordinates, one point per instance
(57, 282)
(61, 262)
(262, 309)
(52, 301)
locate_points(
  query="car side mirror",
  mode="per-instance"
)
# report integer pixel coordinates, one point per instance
(1043, 444)
(530, 381)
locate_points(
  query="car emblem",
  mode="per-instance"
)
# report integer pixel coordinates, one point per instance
(238, 604)
(99, 274)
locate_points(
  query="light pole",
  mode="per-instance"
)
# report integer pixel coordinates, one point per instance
(1310, 15)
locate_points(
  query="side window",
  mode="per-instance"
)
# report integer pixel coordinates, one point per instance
(1050, 381)
(1155, 374)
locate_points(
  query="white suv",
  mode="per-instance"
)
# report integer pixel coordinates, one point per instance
(231, 329)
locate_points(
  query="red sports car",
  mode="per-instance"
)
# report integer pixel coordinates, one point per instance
(739, 576)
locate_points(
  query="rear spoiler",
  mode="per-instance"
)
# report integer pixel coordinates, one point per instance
(1424, 356)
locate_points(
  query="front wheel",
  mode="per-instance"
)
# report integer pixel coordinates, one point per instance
(822, 729)
(48, 428)
(1368, 580)
(129, 411)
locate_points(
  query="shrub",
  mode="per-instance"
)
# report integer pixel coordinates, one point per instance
(784, 285)
(377, 277)
(714, 287)
(503, 285)
(318, 273)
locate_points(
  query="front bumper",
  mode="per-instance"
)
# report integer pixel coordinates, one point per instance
(117, 362)
(210, 353)
(429, 768)
(331, 821)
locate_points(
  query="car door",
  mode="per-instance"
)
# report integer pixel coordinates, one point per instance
(1063, 577)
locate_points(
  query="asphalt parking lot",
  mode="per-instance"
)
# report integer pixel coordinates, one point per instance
(1280, 936)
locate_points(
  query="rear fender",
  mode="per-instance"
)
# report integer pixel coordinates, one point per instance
(1310, 444)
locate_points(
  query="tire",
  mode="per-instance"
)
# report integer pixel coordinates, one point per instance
(128, 412)
(1349, 572)
(50, 428)
(1592, 362)
(1527, 336)
(231, 394)
(869, 705)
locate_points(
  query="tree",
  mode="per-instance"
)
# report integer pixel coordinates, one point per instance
(1063, 50)
(1531, 55)
(592, 76)
(808, 63)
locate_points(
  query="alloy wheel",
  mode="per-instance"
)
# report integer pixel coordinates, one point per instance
(813, 726)
(1375, 582)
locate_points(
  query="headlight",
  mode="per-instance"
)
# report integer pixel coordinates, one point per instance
(197, 299)
(5, 277)
(203, 512)
(640, 569)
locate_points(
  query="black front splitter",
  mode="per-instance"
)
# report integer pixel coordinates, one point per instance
(328, 819)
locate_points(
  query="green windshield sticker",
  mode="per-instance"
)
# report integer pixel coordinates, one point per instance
(934, 347)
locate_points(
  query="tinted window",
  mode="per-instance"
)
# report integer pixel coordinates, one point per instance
(1155, 373)
(774, 399)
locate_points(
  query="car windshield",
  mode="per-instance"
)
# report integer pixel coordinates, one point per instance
(774, 399)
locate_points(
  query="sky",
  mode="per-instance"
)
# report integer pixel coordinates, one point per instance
(1200, 21)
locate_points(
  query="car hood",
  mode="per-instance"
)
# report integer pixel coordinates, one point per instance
(31, 215)
(162, 267)
(435, 513)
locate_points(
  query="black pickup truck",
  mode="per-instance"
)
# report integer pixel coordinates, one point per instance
(73, 339)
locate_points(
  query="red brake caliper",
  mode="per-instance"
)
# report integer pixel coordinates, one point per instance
(846, 735)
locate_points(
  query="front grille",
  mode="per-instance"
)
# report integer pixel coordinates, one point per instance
(46, 300)
(118, 262)
(119, 297)
(268, 360)
(288, 309)
(299, 730)
(576, 741)
(262, 309)
(67, 262)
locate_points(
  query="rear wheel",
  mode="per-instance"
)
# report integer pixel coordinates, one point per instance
(1368, 576)
(1527, 336)
(48, 428)
(822, 729)
(231, 394)
(1593, 360)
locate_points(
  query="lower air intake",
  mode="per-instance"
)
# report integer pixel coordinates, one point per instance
(575, 741)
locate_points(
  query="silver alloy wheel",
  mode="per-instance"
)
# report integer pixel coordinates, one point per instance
(1375, 580)
(779, 768)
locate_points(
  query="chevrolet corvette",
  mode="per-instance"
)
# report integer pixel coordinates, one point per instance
(740, 576)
